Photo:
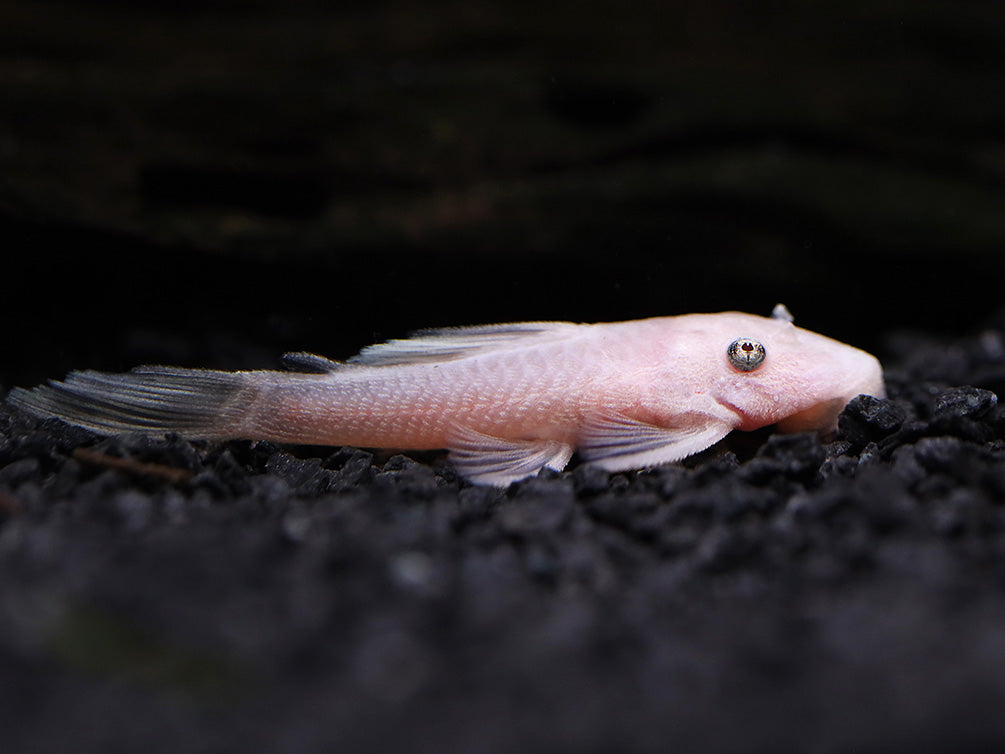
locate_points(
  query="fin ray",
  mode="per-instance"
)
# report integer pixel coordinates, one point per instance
(484, 459)
(450, 343)
(193, 402)
(615, 442)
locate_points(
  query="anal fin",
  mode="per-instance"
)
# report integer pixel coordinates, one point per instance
(615, 442)
(484, 459)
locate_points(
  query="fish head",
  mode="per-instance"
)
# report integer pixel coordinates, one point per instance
(771, 372)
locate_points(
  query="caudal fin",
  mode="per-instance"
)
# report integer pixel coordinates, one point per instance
(192, 402)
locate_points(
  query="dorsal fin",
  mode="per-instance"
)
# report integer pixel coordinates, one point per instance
(451, 343)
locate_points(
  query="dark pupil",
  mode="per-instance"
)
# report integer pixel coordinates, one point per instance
(747, 347)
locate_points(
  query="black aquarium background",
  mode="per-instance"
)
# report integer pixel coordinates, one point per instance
(178, 178)
(213, 183)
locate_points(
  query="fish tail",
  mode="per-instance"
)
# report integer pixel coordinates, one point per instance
(192, 402)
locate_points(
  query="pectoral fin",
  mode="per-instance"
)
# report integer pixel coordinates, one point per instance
(484, 459)
(615, 442)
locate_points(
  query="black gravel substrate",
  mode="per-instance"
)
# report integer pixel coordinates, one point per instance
(776, 594)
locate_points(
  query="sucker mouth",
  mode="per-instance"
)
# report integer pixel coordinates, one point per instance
(822, 417)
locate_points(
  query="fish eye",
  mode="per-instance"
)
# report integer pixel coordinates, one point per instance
(746, 354)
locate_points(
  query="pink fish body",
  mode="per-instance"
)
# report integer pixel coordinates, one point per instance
(505, 400)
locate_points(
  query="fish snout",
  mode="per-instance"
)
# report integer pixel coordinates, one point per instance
(856, 373)
(864, 377)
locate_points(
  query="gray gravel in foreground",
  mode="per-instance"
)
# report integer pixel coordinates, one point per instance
(777, 593)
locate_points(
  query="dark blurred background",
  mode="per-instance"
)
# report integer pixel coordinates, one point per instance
(211, 183)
